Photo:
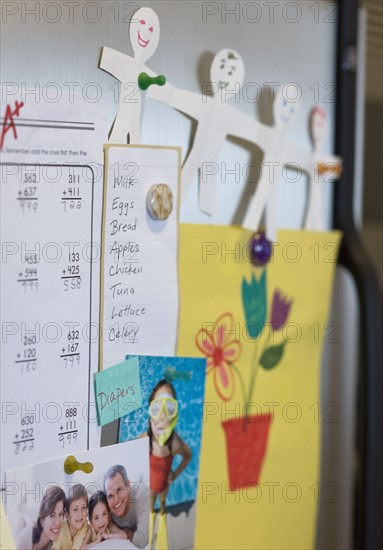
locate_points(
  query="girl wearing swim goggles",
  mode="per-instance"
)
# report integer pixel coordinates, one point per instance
(165, 443)
(165, 404)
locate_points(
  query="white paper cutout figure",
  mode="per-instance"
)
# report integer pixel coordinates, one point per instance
(144, 38)
(323, 167)
(216, 120)
(278, 153)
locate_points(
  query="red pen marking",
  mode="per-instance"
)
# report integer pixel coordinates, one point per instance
(9, 123)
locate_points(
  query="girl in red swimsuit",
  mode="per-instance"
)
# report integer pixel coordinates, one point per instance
(165, 443)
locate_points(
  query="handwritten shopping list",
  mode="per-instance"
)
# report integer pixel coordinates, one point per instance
(118, 390)
(139, 312)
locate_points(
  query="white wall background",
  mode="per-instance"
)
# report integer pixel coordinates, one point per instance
(281, 42)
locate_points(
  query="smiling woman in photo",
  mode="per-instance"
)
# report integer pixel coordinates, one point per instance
(47, 527)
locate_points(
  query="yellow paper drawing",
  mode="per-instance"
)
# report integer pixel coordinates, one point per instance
(6, 540)
(261, 330)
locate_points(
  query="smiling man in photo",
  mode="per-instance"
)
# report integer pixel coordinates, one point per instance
(129, 505)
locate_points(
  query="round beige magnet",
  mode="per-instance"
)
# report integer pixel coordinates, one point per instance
(159, 201)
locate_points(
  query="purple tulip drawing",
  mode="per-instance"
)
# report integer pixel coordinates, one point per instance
(254, 299)
(223, 351)
(279, 310)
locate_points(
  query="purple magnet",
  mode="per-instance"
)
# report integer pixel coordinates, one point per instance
(260, 249)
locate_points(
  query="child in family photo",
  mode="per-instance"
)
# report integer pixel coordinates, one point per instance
(102, 527)
(76, 527)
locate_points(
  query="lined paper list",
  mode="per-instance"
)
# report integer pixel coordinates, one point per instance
(139, 312)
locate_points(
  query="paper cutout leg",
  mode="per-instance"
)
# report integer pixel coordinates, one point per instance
(119, 131)
(314, 220)
(210, 178)
(189, 171)
(206, 146)
(265, 197)
(271, 221)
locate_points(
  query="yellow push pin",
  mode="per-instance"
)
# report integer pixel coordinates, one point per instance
(71, 465)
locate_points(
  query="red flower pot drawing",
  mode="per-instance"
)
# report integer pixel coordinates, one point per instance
(246, 443)
(246, 436)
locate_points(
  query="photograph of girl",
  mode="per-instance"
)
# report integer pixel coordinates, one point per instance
(164, 444)
(101, 524)
(172, 391)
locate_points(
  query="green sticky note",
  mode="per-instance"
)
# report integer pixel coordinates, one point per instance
(118, 390)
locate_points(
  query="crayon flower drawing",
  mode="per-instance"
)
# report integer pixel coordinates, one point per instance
(246, 436)
(221, 355)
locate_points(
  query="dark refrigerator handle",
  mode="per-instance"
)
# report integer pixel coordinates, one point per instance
(368, 512)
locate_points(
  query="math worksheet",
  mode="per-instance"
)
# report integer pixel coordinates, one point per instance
(51, 197)
(88, 272)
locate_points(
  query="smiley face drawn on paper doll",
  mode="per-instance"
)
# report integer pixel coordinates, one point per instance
(284, 109)
(227, 70)
(318, 127)
(144, 34)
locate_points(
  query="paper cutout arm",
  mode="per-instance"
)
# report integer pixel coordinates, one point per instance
(114, 63)
(184, 101)
(216, 119)
(325, 168)
(192, 104)
(209, 137)
(329, 164)
(280, 152)
(293, 154)
(128, 117)
(249, 129)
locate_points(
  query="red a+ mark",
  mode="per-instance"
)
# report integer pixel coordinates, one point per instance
(9, 123)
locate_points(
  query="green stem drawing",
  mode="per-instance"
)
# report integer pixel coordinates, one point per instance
(253, 373)
(237, 372)
(253, 378)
